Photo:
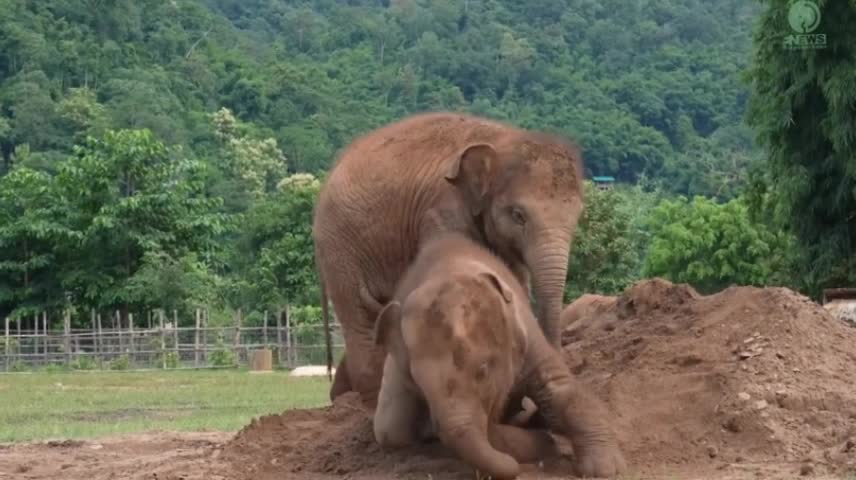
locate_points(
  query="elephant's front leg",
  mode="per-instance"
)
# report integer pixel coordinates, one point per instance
(524, 444)
(570, 409)
(400, 412)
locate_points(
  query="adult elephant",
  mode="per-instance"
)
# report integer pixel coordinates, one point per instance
(517, 192)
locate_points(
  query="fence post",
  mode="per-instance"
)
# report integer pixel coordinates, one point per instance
(45, 330)
(66, 336)
(163, 339)
(264, 331)
(237, 346)
(118, 320)
(99, 342)
(6, 351)
(36, 341)
(175, 334)
(131, 331)
(279, 337)
(205, 312)
(196, 343)
(94, 331)
(289, 356)
(131, 343)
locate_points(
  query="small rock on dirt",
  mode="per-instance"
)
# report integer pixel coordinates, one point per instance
(760, 404)
(712, 451)
(744, 396)
(732, 425)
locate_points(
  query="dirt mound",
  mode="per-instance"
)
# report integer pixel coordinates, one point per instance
(757, 379)
(748, 374)
(332, 441)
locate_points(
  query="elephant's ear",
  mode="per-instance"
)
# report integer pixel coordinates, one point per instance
(500, 286)
(471, 173)
(388, 321)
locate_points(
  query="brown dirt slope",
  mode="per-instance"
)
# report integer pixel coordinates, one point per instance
(748, 374)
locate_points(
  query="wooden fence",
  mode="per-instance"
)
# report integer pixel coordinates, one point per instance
(161, 344)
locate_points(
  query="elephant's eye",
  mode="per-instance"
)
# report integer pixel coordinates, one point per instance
(517, 216)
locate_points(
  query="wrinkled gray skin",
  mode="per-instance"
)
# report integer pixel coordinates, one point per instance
(517, 192)
(462, 341)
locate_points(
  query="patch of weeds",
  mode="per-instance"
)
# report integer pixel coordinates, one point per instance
(222, 356)
(170, 360)
(18, 366)
(122, 362)
(55, 368)
(84, 363)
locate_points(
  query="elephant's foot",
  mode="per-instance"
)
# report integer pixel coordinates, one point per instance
(523, 444)
(341, 382)
(603, 460)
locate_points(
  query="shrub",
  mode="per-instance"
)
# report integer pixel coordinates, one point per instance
(121, 363)
(84, 363)
(222, 356)
(170, 360)
(18, 366)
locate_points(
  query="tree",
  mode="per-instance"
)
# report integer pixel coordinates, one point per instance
(129, 196)
(610, 242)
(81, 114)
(712, 246)
(30, 230)
(802, 111)
(258, 164)
(277, 249)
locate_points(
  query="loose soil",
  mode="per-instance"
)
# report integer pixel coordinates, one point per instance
(745, 384)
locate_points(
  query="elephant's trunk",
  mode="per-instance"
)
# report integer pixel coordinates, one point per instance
(468, 437)
(548, 259)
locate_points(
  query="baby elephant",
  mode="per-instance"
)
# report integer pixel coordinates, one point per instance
(461, 340)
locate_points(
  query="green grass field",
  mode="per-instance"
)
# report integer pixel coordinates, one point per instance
(77, 405)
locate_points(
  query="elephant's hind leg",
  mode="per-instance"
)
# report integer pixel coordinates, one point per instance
(341, 382)
(364, 364)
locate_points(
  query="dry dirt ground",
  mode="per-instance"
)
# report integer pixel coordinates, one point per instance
(746, 384)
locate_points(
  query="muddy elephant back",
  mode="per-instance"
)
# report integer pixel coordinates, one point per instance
(414, 143)
(585, 306)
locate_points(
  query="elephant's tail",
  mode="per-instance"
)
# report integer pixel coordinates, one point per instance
(328, 340)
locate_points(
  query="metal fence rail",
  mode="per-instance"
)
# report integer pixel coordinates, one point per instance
(164, 345)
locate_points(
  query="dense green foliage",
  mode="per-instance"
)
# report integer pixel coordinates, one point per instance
(644, 86)
(804, 110)
(713, 246)
(168, 154)
(611, 241)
